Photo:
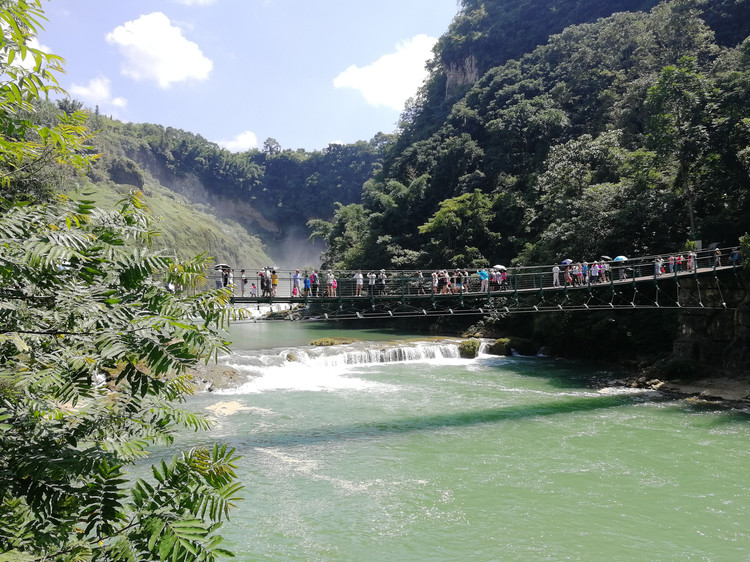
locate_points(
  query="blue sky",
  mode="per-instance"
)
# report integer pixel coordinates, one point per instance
(307, 73)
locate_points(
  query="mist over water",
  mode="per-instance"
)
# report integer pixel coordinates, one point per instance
(296, 250)
(396, 448)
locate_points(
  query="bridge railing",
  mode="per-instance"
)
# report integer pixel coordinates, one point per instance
(517, 278)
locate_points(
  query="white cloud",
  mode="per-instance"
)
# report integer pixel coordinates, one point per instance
(154, 49)
(97, 92)
(242, 142)
(393, 78)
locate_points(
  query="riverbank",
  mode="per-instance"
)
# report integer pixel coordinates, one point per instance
(731, 388)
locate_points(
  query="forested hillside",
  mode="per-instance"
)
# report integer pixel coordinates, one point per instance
(269, 193)
(630, 134)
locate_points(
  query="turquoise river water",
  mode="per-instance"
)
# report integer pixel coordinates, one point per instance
(396, 449)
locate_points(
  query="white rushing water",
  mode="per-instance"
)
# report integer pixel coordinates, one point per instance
(333, 367)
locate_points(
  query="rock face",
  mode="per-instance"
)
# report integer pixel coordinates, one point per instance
(464, 73)
(208, 378)
(191, 187)
(715, 337)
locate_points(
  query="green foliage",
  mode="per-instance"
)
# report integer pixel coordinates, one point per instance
(468, 349)
(93, 349)
(93, 357)
(690, 245)
(745, 249)
(274, 191)
(460, 232)
(500, 347)
(627, 135)
(125, 171)
(29, 146)
(185, 229)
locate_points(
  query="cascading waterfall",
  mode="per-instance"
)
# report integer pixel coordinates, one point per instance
(318, 368)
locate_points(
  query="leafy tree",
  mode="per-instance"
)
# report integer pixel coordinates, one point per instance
(69, 106)
(96, 335)
(26, 76)
(271, 146)
(344, 237)
(93, 354)
(459, 231)
(682, 109)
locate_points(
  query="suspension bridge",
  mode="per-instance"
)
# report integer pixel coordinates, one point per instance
(698, 282)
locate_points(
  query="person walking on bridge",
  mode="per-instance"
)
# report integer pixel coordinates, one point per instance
(274, 282)
(556, 276)
(420, 283)
(358, 282)
(382, 280)
(484, 278)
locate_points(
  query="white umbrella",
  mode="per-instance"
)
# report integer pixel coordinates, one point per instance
(606, 258)
(500, 267)
(221, 266)
(567, 261)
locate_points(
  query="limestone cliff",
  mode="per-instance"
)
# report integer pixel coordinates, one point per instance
(190, 186)
(457, 75)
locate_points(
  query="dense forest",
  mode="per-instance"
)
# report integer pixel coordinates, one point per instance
(627, 135)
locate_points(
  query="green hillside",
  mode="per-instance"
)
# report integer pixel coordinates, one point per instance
(186, 229)
(626, 135)
(269, 193)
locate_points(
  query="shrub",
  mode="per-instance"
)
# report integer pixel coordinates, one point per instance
(468, 349)
(500, 347)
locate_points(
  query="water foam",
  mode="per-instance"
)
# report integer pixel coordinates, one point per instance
(331, 368)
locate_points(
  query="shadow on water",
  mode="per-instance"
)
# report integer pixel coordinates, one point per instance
(562, 373)
(366, 430)
(722, 413)
(719, 416)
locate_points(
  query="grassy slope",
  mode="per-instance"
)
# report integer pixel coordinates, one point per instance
(187, 229)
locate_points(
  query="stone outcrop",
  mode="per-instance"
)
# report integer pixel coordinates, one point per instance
(461, 74)
(212, 376)
(191, 187)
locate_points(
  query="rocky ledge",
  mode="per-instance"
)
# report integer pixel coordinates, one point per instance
(730, 388)
(211, 376)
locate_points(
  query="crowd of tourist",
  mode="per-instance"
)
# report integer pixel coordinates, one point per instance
(583, 273)
(460, 280)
